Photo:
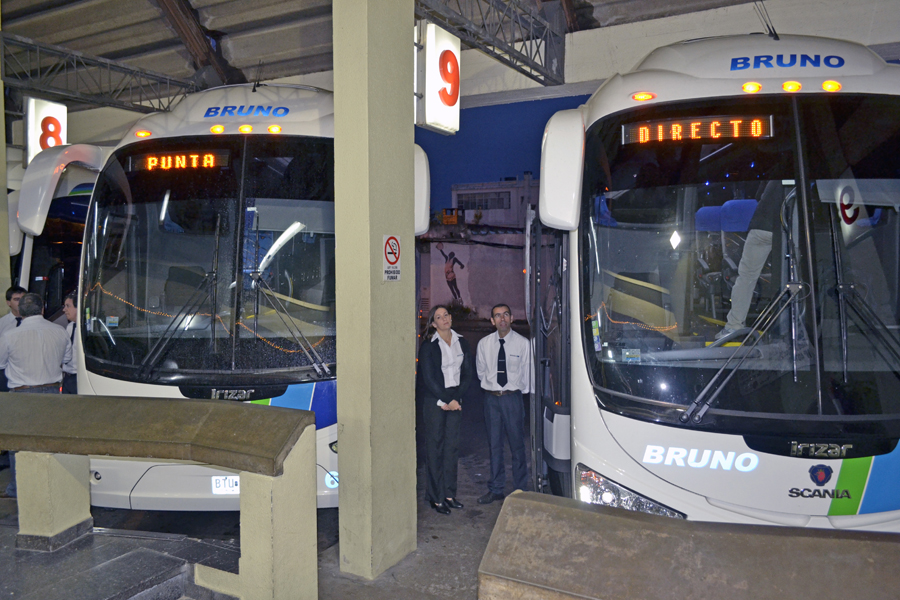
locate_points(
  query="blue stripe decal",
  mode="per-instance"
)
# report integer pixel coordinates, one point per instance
(883, 489)
(320, 397)
(296, 396)
(325, 403)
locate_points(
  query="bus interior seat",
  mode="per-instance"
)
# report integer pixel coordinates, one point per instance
(708, 219)
(736, 215)
(181, 284)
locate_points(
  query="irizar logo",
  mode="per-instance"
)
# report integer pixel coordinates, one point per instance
(713, 459)
(246, 111)
(231, 394)
(766, 61)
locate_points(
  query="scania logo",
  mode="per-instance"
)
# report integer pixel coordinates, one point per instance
(768, 61)
(246, 111)
(820, 474)
(818, 493)
(231, 394)
(820, 450)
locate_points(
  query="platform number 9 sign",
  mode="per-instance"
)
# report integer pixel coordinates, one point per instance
(449, 67)
(51, 133)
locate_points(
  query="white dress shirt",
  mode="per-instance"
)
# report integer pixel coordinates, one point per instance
(34, 352)
(70, 367)
(451, 359)
(519, 364)
(7, 322)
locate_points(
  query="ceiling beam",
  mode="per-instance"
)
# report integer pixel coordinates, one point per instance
(513, 33)
(181, 16)
(57, 73)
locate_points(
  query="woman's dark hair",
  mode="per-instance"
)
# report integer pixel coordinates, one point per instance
(429, 324)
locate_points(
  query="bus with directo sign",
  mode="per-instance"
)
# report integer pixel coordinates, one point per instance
(716, 284)
(207, 271)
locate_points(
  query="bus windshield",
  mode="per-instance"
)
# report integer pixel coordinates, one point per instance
(743, 254)
(210, 255)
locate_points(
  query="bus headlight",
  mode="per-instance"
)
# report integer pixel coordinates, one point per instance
(594, 488)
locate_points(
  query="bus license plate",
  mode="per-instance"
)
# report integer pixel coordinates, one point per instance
(226, 484)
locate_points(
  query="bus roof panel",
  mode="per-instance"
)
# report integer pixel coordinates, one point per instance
(297, 110)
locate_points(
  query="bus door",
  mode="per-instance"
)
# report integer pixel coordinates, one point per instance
(550, 405)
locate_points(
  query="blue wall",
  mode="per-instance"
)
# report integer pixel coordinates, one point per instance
(493, 142)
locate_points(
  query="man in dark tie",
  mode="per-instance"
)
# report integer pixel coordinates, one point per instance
(504, 364)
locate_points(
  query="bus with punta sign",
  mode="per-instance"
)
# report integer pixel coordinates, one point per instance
(208, 271)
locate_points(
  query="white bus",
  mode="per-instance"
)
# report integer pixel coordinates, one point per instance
(783, 152)
(207, 271)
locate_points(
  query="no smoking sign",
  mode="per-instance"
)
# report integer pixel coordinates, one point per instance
(391, 258)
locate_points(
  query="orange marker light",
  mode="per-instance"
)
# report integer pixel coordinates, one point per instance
(274, 128)
(246, 128)
(142, 133)
(831, 86)
(643, 96)
(791, 86)
(751, 87)
(217, 129)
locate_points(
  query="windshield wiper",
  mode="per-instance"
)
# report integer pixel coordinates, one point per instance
(295, 331)
(764, 322)
(206, 288)
(848, 295)
(194, 302)
(787, 297)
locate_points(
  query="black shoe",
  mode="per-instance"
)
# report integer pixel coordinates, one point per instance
(453, 503)
(440, 507)
(490, 497)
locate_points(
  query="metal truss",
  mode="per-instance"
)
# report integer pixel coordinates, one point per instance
(56, 73)
(508, 30)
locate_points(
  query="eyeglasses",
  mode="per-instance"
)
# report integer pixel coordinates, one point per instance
(503, 314)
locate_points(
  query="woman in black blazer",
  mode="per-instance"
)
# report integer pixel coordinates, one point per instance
(447, 368)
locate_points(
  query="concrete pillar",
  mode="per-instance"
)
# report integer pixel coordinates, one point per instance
(54, 499)
(279, 559)
(5, 274)
(373, 81)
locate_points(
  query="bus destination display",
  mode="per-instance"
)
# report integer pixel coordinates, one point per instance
(698, 128)
(181, 161)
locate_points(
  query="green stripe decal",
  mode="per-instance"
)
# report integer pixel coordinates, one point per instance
(265, 401)
(853, 476)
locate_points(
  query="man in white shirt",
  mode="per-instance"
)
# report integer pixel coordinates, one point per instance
(10, 320)
(504, 365)
(33, 355)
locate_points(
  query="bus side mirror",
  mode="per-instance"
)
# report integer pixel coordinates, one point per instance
(562, 164)
(422, 190)
(42, 178)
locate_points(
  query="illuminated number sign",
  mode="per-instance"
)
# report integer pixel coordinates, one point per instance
(45, 124)
(698, 128)
(180, 161)
(437, 80)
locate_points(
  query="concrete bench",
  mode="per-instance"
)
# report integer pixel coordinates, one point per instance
(273, 448)
(550, 548)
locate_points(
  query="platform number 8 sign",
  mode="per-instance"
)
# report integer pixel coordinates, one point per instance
(46, 124)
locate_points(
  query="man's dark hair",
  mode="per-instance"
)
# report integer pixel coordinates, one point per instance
(31, 305)
(496, 306)
(16, 289)
(73, 297)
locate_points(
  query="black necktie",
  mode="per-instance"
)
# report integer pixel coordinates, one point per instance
(501, 366)
(73, 332)
(18, 321)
